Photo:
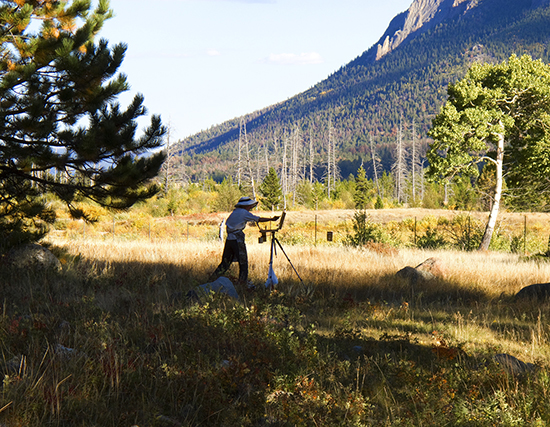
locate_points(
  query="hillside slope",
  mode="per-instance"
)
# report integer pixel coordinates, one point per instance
(399, 81)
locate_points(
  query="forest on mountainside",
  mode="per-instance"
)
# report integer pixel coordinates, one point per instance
(367, 108)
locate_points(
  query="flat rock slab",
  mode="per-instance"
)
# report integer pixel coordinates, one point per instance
(221, 285)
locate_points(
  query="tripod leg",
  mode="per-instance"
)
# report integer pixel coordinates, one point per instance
(272, 252)
(271, 277)
(290, 262)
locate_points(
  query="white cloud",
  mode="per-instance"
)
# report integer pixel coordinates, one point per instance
(308, 58)
(213, 52)
(239, 1)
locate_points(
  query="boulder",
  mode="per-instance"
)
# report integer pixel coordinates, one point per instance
(32, 255)
(512, 364)
(538, 291)
(424, 272)
(221, 285)
(434, 266)
(414, 276)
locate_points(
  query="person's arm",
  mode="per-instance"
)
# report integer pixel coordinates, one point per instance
(274, 218)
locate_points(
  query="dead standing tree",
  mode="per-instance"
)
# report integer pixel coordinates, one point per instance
(375, 167)
(332, 170)
(400, 167)
(244, 166)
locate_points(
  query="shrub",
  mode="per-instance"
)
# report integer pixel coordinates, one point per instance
(431, 240)
(364, 231)
(465, 232)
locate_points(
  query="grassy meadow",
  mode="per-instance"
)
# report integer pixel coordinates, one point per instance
(111, 339)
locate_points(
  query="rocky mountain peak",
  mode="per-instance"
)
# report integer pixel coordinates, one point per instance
(420, 17)
(424, 15)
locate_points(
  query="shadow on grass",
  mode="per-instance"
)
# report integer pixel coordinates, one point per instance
(395, 290)
(145, 359)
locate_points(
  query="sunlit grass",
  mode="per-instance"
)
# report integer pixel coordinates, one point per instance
(491, 273)
(112, 340)
(472, 304)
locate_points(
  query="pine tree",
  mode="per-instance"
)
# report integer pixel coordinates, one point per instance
(362, 189)
(271, 190)
(227, 195)
(61, 130)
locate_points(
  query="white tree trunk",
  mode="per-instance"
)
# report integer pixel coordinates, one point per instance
(375, 167)
(491, 223)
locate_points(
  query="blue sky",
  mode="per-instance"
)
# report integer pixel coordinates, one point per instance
(199, 63)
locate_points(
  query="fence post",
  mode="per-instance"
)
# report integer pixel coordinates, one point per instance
(525, 235)
(414, 231)
(315, 230)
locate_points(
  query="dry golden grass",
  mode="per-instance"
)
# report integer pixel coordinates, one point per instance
(490, 273)
(112, 341)
(515, 219)
(473, 304)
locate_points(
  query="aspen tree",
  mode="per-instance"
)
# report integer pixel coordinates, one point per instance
(498, 114)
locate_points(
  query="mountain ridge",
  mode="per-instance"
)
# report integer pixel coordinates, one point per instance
(428, 46)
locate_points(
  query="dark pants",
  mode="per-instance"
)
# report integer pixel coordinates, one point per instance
(234, 251)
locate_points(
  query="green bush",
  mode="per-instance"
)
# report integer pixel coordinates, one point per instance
(432, 239)
(365, 231)
(464, 232)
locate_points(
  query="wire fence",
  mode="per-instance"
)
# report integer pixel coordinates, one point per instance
(126, 229)
(181, 230)
(525, 234)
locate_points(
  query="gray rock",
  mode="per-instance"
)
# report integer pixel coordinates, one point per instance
(512, 364)
(538, 291)
(32, 255)
(14, 365)
(221, 285)
(414, 276)
(434, 266)
(66, 352)
(424, 272)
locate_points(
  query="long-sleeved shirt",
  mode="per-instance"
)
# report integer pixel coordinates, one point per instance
(236, 222)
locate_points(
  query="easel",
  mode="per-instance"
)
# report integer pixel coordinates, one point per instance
(271, 277)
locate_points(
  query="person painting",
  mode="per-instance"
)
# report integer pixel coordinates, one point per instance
(235, 248)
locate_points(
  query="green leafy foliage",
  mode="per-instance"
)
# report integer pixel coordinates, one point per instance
(497, 114)
(227, 195)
